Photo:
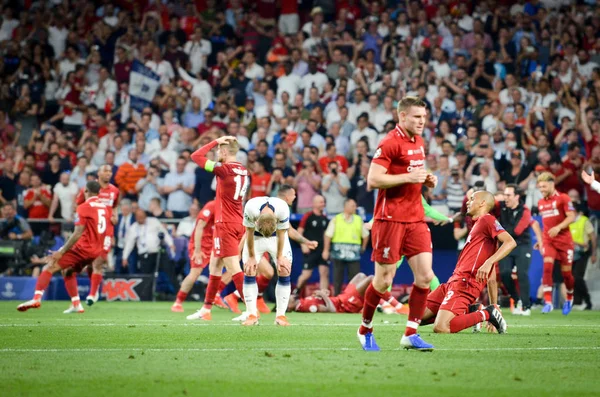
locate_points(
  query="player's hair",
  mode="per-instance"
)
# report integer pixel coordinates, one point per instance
(266, 224)
(546, 177)
(93, 187)
(284, 189)
(232, 147)
(409, 101)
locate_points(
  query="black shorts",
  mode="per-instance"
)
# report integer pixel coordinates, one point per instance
(314, 259)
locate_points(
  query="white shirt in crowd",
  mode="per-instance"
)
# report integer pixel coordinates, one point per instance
(318, 79)
(255, 71)
(200, 88)
(66, 197)
(145, 237)
(100, 93)
(198, 51)
(288, 83)
(58, 39)
(163, 69)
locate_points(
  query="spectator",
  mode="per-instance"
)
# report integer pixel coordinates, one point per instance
(455, 188)
(148, 188)
(335, 186)
(13, 226)
(65, 192)
(129, 174)
(259, 180)
(178, 186)
(37, 199)
(345, 240)
(332, 156)
(144, 235)
(186, 225)
(53, 171)
(308, 183)
(81, 171)
(20, 191)
(8, 182)
(155, 209)
(364, 130)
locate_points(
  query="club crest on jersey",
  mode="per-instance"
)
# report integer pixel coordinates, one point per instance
(377, 153)
(206, 213)
(386, 252)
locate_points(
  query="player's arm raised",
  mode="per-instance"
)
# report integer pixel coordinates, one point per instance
(508, 244)
(378, 177)
(199, 156)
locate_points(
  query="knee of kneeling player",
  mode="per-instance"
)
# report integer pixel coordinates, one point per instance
(441, 328)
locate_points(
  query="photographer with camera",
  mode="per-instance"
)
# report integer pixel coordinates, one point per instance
(13, 227)
(335, 187)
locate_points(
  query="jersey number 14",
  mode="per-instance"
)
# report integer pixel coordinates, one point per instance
(241, 184)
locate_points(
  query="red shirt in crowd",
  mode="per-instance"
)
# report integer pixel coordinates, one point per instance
(38, 209)
(259, 184)
(341, 161)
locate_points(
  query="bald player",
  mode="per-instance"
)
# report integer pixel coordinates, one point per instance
(448, 305)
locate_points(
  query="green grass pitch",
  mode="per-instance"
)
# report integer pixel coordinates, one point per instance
(130, 349)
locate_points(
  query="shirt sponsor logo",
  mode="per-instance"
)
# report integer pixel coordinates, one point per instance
(415, 165)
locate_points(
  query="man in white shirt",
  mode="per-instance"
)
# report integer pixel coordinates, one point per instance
(315, 79)
(57, 36)
(267, 220)
(179, 187)
(505, 95)
(359, 107)
(270, 109)
(384, 115)
(253, 70)
(65, 192)
(8, 25)
(198, 49)
(102, 92)
(144, 234)
(200, 87)
(290, 83)
(363, 129)
(439, 63)
(161, 67)
(186, 225)
(166, 156)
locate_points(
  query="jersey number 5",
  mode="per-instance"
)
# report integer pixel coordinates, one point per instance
(240, 187)
(101, 221)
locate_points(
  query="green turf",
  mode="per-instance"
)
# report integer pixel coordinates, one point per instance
(127, 349)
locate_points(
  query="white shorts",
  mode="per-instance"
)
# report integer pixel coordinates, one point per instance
(289, 23)
(269, 245)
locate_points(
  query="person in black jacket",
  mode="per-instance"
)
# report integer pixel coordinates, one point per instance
(516, 219)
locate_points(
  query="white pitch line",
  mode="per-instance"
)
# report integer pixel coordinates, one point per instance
(285, 349)
(236, 324)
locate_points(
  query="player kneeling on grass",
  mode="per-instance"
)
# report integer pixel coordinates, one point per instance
(88, 242)
(267, 220)
(448, 306)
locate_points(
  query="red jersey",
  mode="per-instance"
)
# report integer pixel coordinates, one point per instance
(340, 160)
(481, 244)
(109, 195)
(259, 184)
(553, 211)
(232, 183)
(207, 214)
(400, 155)
(94, 215)
(38, 209)
(311, 304)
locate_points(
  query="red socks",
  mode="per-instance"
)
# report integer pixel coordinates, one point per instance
(238, 280)
(71, 286)
(417, 302)
(42, 283)
(211, 291)
(372, 297)
(389, 298)
(569, 283)
(547, 281)
(465, 321)
(96, 280)
(181, 296)
(222, 286)
(262, 283)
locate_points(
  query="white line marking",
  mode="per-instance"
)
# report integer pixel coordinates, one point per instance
(284, 349)
(236, 324)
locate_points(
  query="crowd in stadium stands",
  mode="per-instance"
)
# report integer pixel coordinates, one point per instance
(308, 87)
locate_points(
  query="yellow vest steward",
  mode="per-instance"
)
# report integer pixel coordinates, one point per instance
(347, 238)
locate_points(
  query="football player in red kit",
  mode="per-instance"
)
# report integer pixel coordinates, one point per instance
(399, 228)
(109, 195)
(557, 214)
(199, 249)
(448, 305)
(232, 183)
(88, 242)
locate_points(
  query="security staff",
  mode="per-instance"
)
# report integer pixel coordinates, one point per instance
(345, 240)
(516, 219)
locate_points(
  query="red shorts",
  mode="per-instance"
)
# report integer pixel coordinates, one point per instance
(348, 301)
(195, 265)
(226, 239)
(392, 240)
(76, 259)
(563, 254)
(454, 296)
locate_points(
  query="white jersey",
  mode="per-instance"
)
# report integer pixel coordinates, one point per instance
(263, 244)
(256, 205)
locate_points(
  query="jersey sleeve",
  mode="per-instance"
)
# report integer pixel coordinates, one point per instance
(566, 203)
(206, 213)
(283, 217)
(80, 215)
(80, 199)
(494, 227)
(385, 153)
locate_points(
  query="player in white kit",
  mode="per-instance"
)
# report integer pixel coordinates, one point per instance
(267, 220)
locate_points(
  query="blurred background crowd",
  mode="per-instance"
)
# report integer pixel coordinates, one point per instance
(309, 88)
